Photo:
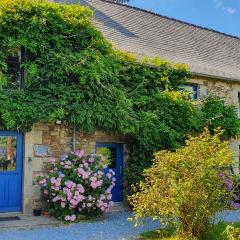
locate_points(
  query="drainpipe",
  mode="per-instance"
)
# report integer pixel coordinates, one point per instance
(74, 138)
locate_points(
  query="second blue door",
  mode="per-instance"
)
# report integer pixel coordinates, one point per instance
(116, 164)
(11, 144)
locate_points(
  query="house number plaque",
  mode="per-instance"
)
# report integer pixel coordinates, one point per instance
(42, 150)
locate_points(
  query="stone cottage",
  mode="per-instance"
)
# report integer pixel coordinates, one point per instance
(213, 59)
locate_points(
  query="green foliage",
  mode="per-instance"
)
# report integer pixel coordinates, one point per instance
(220, 231)
(216, 113)
(73, 74)
(165, 120)
(186, 188)
(233, 233)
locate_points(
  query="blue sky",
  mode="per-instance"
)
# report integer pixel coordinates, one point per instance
(221, 15)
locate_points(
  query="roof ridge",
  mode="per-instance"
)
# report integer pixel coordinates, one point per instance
(173, 19)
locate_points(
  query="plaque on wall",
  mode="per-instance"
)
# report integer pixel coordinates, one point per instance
(42, 150)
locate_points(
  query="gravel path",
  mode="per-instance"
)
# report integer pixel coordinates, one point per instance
(114, 227)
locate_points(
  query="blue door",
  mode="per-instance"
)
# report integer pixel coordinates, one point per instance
(11, 144)
(116, 164)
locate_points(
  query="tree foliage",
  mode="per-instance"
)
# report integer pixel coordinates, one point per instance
(216, 113)
(186, 187)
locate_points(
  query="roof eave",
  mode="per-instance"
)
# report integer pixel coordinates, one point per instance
(196, 74)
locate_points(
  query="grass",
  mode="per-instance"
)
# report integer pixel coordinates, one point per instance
(215, 232)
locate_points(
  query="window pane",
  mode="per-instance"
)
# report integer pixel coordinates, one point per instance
(193, 89)
(110, 153)
(13, 72)
(8, 153)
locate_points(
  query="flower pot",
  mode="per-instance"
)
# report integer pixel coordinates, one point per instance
(45, 213)
(37, 212)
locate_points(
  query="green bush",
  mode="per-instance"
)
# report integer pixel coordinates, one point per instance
(216, 113)
(186, 187)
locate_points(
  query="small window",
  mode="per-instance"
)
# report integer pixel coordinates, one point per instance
(192, 88)
(13, 72)
(8, 145)
(110, 153)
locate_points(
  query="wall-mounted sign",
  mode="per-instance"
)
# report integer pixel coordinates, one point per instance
(42, 150)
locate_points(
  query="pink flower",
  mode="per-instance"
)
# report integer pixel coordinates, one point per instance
(93, 185)
(80, 171)
(70, 184)
(80, 188)
(111, 171)
(93, 179)
(79, 153)
(109, 175)
(52, 160)
(43, 181)
(91, 160)
(71, 218)
(109, 197)
(90, 198)
(63, 204)
(85, 165)
(67, 166)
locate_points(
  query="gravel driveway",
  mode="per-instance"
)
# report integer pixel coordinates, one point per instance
(114, 227)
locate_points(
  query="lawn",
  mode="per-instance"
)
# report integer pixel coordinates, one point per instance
(216, 232)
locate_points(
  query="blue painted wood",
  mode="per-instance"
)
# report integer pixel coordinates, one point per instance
(117, 191)
(11, 181)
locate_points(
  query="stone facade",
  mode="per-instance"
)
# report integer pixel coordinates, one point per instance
(60, 140)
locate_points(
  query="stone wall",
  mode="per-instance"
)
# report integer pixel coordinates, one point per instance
(60, 140)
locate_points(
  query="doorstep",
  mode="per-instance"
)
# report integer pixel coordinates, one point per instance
(120, 207)
(26, 222)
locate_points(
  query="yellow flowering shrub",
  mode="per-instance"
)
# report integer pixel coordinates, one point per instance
(186, 187)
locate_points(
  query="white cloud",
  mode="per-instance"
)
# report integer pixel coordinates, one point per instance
(219, 4)
(230, 10)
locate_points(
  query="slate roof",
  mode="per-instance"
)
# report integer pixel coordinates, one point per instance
(207, 52)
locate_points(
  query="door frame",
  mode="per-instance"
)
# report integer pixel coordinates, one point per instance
(19, 166)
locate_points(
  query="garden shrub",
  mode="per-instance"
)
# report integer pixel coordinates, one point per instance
(186, 187)
(233, 233)
(78, 185)
(214, 113)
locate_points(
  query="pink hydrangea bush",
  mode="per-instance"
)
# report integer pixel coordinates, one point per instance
(78, 184)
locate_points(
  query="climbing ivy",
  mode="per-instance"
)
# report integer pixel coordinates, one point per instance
(72, 73)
